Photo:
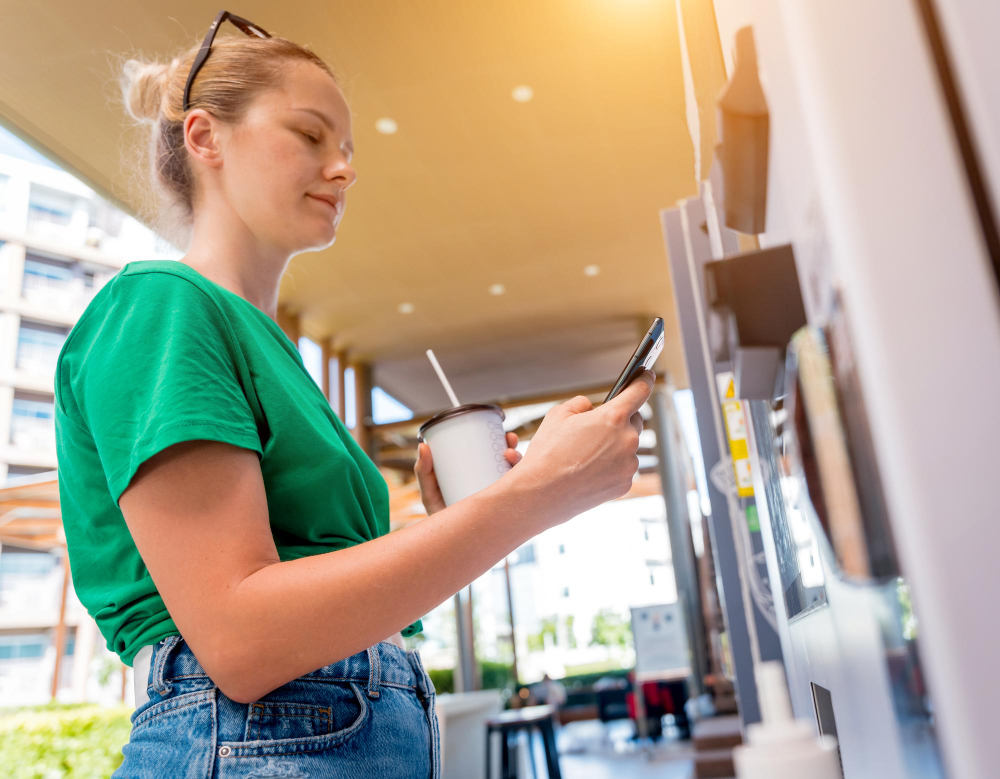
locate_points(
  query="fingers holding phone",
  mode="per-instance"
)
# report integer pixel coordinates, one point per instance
(626, 404)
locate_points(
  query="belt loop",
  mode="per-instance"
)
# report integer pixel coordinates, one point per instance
(160, 664)
(374, 672)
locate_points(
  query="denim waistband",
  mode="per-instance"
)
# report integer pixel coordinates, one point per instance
(384, 663)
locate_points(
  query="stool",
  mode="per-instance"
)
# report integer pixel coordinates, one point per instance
(511, 723)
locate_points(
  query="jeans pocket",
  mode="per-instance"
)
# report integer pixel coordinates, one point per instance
(177, 731)
(301, 717)
(171, 708)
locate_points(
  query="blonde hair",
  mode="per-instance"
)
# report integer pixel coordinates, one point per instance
(238, 69)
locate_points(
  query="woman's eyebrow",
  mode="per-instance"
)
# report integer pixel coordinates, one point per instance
(325, 120)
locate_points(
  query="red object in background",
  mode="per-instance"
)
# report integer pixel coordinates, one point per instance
(658, 700)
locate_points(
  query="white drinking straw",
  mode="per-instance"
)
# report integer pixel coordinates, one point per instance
(444, 379)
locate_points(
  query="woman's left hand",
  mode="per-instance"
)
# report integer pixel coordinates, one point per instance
(430, 492)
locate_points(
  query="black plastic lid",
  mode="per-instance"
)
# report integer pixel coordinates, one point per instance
(454, 412)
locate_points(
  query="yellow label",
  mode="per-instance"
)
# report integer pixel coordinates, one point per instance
(736, 434)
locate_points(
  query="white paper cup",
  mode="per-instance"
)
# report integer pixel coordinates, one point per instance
(467, 445)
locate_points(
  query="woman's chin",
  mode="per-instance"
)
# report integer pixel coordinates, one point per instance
(323, 239)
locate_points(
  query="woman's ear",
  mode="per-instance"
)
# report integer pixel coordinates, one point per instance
(203, 137)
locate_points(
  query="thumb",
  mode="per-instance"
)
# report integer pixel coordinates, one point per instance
(423, 464)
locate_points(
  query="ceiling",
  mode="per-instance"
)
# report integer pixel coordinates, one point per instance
(474, 189)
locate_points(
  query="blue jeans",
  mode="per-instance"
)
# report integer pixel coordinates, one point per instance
(369, 715)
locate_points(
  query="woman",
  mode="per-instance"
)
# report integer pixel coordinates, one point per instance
(224, 529)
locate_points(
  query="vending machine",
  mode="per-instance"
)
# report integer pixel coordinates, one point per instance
(841, 262)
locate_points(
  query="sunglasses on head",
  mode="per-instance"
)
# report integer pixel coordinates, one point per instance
(248, 27)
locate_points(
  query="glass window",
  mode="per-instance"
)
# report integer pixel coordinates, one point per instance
(33, 409)
(25, 563)
(36, 649)
(23, 646)
(350, 412)
(385, 408)
(32, 421)
(38, 347)
(312, 358)
(49, 207)
(438, 644)
(572, 589)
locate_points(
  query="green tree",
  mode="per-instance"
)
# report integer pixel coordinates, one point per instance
(570, 635)
(610, 629)
(547, 626)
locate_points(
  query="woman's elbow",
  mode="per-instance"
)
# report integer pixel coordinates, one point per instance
(233, 670)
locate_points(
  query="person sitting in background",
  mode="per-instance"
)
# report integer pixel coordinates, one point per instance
(549, 691)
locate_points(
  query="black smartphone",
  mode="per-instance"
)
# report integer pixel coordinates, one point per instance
(643, 357)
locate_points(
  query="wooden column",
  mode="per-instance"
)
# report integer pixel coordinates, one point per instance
(289, 322)
(510, 611)
(340, 399)
(363, 407)
(60, 641)
(327, 346)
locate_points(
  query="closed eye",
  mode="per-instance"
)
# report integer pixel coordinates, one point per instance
(314, 140)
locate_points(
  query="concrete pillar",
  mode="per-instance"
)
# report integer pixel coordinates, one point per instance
(10, 326)
(679, 531)
(86, 633)
(18, 196)
(14, 254)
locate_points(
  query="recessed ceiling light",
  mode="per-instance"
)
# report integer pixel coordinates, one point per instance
(522, 93)
(497, 289)
(386, 125)
(591, 270)
(405, 308)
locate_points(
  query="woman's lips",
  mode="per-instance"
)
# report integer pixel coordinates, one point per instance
(328, 204)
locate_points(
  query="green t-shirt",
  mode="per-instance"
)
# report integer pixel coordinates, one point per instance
(163, 355)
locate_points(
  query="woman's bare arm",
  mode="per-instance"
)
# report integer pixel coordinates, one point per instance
(198, 515)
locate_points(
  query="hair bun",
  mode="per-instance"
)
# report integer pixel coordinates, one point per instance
(142, 89)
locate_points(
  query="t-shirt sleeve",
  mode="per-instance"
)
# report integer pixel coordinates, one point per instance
(160, 367)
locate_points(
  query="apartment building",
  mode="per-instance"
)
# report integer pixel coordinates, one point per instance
(59, 243)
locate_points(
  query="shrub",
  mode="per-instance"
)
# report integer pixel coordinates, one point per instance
(73, 741)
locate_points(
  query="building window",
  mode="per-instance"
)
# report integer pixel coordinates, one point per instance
(44, 277)
(50, 212)
(565, 592)
(23, 647)
(38, 347)
(32, 422)
(25, 563)
(562, 548)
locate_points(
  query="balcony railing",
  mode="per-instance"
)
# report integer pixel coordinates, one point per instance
(51, 223)
(32, 432)
(35, 358)
(64, 293)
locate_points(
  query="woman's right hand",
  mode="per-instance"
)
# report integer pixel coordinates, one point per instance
(582, 456)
